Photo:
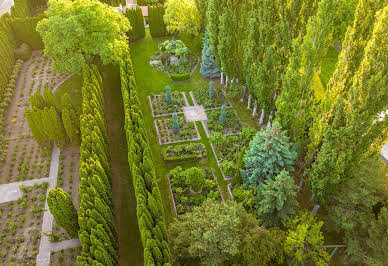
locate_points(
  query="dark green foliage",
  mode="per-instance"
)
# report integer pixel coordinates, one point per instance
(184, 152)
(175, 123)
(168, 94)
(155, 16)
(211, 89)
(269, 153)
(63, 210)
(98, 234)
(150, 213)
(136, 20)
(24, 30)
(223, 115)
(237, 178)
(184, 76)
(276, 199)
(209, 68)
(7, 46)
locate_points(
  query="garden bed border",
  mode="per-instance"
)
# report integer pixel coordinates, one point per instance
(212, 108)
(207, 131)
(177, 141)
(161, 115)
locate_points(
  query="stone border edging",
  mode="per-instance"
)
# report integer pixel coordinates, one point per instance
(177, 141)
(12, 192)
(218, 162)
(230, 191)
(212, 108)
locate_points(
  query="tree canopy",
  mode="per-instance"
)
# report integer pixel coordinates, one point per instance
(182, 16)
(81, 31)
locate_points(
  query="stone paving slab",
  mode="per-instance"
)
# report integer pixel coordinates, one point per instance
(195, 113)
(5, 6)
(58, 246)
(11, 191)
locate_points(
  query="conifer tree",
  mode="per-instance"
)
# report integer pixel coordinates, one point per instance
(175, 123)
(63, 210)
(209, 68)
(211, 89)
(213, 13)
(168, 94)
(223, 115)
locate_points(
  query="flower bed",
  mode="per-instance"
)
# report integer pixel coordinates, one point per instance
(160, 107)
(201, 97)
(187, 131)
(191, 187)
(184, 152)
(231, 126)
(228, 148)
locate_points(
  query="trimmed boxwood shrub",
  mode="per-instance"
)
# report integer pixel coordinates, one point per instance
(184, 152)
(184, 76)
(23, 52)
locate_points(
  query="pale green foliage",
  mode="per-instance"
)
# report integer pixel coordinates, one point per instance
(81, 31)
(207, 234)
(182, 16)
(195, 178)
(304, 238)
(268, 154)
(277, 199)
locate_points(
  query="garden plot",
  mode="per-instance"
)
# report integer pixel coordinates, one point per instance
(20, 223)
(231, 126)
(184, 152)
(65, 257)
(160, 107)
(187, 131)
(68, 180)
(22, 158)
(191, 187)
(200, 96)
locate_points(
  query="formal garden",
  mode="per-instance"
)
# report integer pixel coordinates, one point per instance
(193, 132)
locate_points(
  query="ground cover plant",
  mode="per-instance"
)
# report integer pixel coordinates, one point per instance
(160, 106)
(20, 223)
(191, 187)
(66, 257)
(184, 152)
(173, 57)
(216, 99)
(168, 133)
(229, 125)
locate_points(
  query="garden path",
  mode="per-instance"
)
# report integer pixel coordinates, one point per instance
(11, 191)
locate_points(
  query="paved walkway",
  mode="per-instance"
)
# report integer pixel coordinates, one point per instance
(11, 191)
(5, 6)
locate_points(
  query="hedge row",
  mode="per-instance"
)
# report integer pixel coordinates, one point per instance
(149, 209)
(7, 46)
(193, 151)
(98, 234)
(178, 77)
(5, 99)
(155, 19)
(22, 8)
(135, 17)
(24, 30)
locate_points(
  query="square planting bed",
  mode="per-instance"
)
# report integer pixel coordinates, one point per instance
(231, 126)
(200, 96)
(184, 197)
(187, 131)
(184, 152)
(160, 107)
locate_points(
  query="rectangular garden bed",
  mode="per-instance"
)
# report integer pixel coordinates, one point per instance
(184, 152)
(231, 126)
(184, 198)
(200, 96)
(187, 131)
(160, 107)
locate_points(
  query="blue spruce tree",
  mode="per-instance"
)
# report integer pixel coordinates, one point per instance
(209, 69)
(168, 94)
(223, 115)
(175, 123)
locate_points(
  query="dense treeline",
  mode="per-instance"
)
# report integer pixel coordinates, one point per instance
(98, 234)
(135, 17)
(7, 45)
(155, 19)
(149, 208)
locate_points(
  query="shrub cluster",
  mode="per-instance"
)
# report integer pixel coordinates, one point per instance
(183, 76)
(135, 17)
(24, 30)
(149, 209)
(155, 17)
(7, 46)
(184, 152)
(5, 97)
(98, 234)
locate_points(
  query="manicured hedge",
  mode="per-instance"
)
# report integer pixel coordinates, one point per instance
(184, 76)
(98, 234)
(136, 19)
(24, 30)
(22, 8)
(186, 148)
(7, 46)
(155, 19)
(149, 208)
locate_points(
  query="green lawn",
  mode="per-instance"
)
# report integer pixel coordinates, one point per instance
(72, 86)
(151, 81)
(130, 246)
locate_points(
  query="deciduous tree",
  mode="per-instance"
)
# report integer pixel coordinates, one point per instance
(182, 16)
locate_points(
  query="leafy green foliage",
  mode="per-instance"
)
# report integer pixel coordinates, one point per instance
(304, 238)
(182, 16)
(92, 31)
(63, 210)
(276, 199)
(195, 178)
(268, 154)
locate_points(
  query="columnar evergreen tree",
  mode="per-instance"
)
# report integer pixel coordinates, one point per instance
(211, 89)
(63, 210)
(209, 68)
(156, 22)
(276, 199)
(175, 123)
(223, 115)
(355, 124)
(136, 19)
(168, 94)
(269, 153)
(213, 13)
(7, 46)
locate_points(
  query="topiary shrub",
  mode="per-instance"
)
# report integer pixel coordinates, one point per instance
(178, 77)
(195, 178)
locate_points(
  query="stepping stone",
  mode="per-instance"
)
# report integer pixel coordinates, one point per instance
(194, 113)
